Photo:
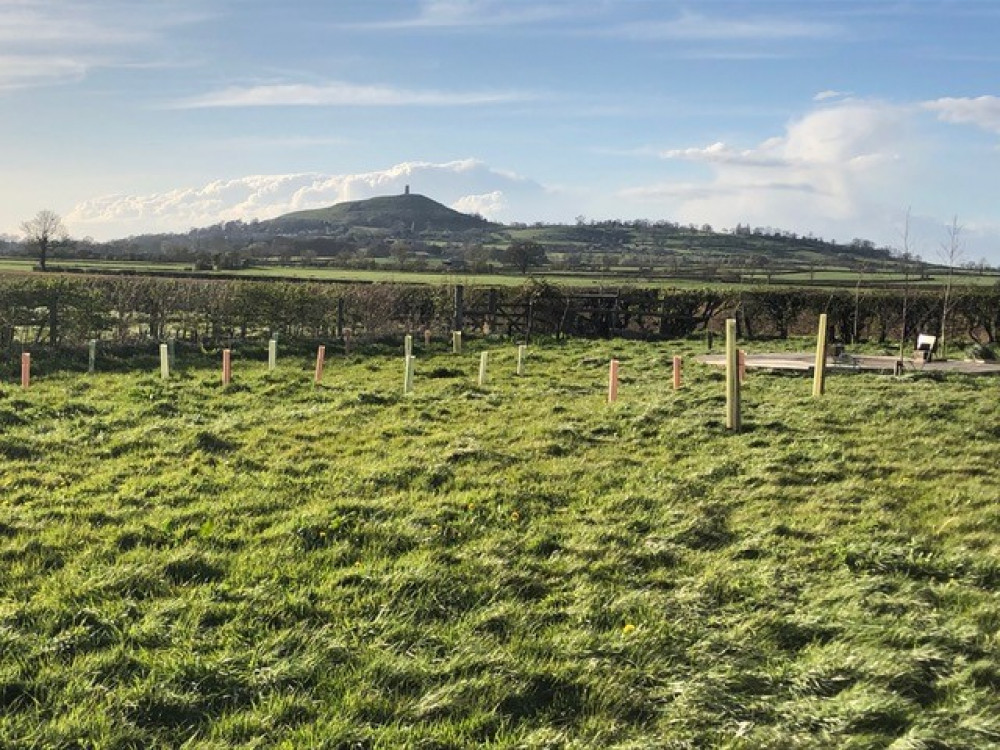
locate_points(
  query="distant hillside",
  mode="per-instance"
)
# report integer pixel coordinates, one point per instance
(409, 212)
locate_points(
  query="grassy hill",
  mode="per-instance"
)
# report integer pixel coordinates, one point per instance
(518, 565)
(409, 212)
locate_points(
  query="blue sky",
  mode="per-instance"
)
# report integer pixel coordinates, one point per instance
(824, 117)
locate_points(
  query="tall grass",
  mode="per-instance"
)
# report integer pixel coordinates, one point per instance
(515, 565)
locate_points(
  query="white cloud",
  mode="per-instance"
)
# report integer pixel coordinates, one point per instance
(342, 94)
(983, 111)
(720, 153)
(19, 71)
(696, 27)
(489, 204)
(829, 94)
(827, 173)
(467, 183)
(49, 41)
(466, 14)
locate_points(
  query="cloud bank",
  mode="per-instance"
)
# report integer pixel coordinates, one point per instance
(466, 185)
(343, 94)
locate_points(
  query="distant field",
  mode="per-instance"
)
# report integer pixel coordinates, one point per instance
(850, 278)
(617, 276)
(518, 565)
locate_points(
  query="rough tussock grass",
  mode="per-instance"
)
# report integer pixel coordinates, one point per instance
(516, 565)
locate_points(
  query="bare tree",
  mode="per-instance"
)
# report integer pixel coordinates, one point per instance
(43, 232)
(951, 253)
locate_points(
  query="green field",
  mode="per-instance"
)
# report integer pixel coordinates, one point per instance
(616, 276)
(513, 565)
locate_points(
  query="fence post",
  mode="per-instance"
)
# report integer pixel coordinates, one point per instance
(484, 363)
(521, 351)
(408, 374)
(272, 354)
(92, 356)
(456, 342)
(743, 366)
(427, 337)
(677, 373)
(613, 382)
(459, 321)
(347, 341)
(732, 379)
(819, 371)
(491, 310)
(25, 370)
(408, 345)
(164, 362)
(320, 358)
(227, 366)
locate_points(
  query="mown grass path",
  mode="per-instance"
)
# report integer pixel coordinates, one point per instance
(515, 565)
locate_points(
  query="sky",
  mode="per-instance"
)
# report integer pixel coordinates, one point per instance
(830, 117)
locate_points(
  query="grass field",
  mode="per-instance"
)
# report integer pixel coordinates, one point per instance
(513, 565)
(619, 276)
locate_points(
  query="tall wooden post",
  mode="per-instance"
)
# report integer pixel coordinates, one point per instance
(164, 362)
(92, 356)
(272, 354)
(456, 342)
(227, 366)
(819, 371)
(732, 379)
(484, 363)
(408, 346)
(25, 370)
(491, 310)
(408, 374)
(743, 366)
(613, 382)
(677, 373)
(459, 320)
(320, 358)
(521, 351)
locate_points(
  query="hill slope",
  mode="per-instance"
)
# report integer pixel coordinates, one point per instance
(410, 211)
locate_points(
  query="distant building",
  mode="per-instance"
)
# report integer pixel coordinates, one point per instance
(406, 190)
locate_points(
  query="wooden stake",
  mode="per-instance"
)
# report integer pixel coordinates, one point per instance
(408, 374)
(456, 342)
(522, 350)
(320, 358)
(613, 382)
(732, 379)
(743, 366)
(427, 337)
(819, 371)
(484, 363)
(347, 341)
(408, 346)
(164, 362)
(272, 354)
(227, 366)
(25, 370)
(677, 373)
(92, 356)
